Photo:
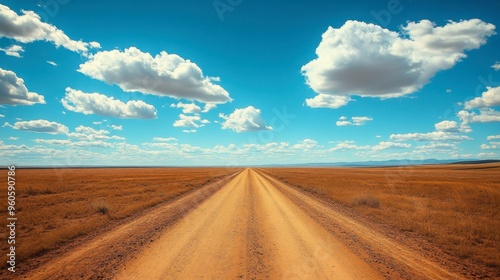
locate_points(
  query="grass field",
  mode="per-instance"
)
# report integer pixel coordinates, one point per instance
(456, 207)
(56, 205)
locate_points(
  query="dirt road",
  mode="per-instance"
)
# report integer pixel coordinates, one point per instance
(255, 227)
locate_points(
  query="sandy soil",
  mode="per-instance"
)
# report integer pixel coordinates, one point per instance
(252, 227)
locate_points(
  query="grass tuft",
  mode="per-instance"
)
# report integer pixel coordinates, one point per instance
(367, 200)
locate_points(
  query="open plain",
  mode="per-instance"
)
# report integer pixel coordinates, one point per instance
(427, 222)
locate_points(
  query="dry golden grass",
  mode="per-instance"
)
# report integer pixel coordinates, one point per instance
(456, 207)
(56, 205)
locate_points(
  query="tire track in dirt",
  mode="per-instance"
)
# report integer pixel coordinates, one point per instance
(252, 226)
(248, 230)
(101, 256)
(396, 260)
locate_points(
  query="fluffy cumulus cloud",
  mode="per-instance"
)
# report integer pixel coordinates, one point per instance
(478, 109)
(485, 115)
(14, 92)
(187, 108)
(190, 121)
(356, 121)
(489, 98)
(116, 127)
(327, 101)
(28, 27)
(40, 126)
(208, 107)
(306, 144)
(493, 137)
(242, 120)
(14, 50)
(496, 66)
(447, 126)
(370, 61)
(430, 136)
(100, 104)
(164, 75)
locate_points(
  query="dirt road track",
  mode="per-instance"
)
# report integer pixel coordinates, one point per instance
(254, 227)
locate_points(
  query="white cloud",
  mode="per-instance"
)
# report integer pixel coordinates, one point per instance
(306, 144)
(14, 50)
(493, 137)
(343, 123)
(90, 134)
(190, 121)
(491, 147)
(170, 145)
(366, 60)
(390, 145)
(448, 91)
(189, 130)
(327, 101)
(242, 120)
(485, 115)
(41, 126)
(14, 92)
(28, 27)
(430, 136)
(116, 127)
(69, 143)
(496, 66)
(356, 121)
(163, 75)
(349, 145)
(436, 147)
(489, 98)
(269, 148)
(161, 139)
(51, 63)
(187, 108)
(13, 138)
(208, 107)
(100, 104)
(447, 126)
(2, 116)
(487, 155)
(95, 45)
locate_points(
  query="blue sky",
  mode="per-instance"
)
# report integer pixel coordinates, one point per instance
(247, 82)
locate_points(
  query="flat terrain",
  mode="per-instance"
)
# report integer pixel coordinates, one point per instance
(55, 206)
(451, 211)
(330, 223)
